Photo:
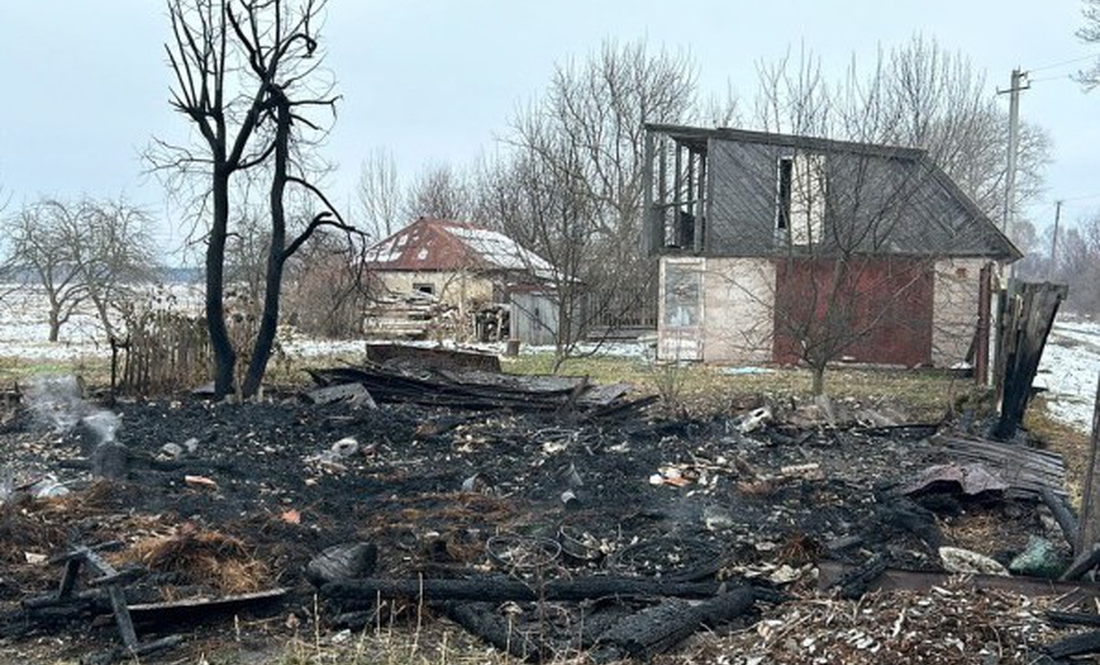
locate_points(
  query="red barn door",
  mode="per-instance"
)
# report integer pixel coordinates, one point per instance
(872, 310)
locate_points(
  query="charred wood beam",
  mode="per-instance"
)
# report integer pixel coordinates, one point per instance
(658, 629)
(1073, 618)
(856, 581)
(483, 620)
(911, 580)
(497, 589)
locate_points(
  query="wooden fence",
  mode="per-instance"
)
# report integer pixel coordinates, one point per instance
(164, 352)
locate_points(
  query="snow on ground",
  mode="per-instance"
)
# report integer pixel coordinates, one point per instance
(1068, 370)
(635, 350)
(24, 329)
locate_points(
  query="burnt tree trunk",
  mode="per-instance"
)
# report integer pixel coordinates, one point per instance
(276, 256)
(225, 358)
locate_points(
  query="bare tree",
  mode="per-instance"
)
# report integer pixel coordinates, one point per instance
(246, 72)
(440, 192)
(213, 92)
(577, 156)
(80, 252)
(838, 282)
(265, 46)
(379, 192)
(1090, 34)
(331, 286)
(118, 256)
(39, 242)
(546, 211)
(597, 108)
(916, 95)
(1077, 263)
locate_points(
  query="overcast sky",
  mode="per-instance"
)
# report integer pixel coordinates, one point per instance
(436, 81)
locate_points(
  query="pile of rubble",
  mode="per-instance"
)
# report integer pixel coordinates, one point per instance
(546, 516)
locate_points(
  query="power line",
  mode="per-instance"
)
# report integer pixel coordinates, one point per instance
(1065, 62)
(1068, 77)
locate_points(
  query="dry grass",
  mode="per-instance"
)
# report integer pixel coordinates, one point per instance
(925, 394)
(203, 557)
(432, 643)
(27, 526)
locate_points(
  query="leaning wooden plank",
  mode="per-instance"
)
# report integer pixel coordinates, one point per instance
(1041, 302)
(658, 629)
(498, 589)
(1088, 533)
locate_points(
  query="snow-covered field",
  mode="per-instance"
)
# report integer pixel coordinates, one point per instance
(24, 327)
(1068, 370)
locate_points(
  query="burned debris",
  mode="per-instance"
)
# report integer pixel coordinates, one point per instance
(547, 517)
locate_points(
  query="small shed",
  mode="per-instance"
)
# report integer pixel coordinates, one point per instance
(455, 279)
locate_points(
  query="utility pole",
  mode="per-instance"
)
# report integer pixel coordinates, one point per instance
(1054, 241)
(1014, 88)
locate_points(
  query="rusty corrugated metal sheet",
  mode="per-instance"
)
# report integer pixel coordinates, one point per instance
(426, 244)
(447, 245)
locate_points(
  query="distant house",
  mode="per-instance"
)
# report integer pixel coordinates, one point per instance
(470, 280)
(751, 227)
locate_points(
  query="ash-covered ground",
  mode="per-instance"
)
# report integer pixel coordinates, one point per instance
(260, 489)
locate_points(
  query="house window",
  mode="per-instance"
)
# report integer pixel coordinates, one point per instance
(424, 287)
(784, 171)
(683, 293)
(800, 198)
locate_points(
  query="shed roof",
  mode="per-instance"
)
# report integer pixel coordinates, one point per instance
(430, 244)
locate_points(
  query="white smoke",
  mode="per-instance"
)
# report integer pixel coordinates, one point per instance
(58, 402)
(103, 424)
